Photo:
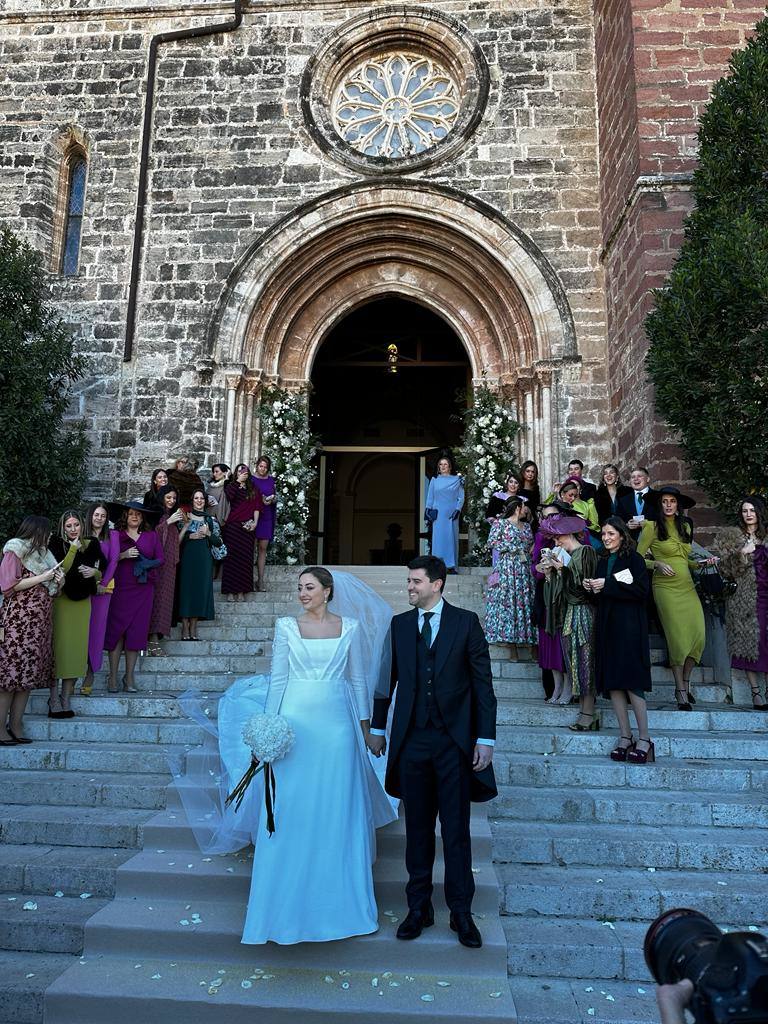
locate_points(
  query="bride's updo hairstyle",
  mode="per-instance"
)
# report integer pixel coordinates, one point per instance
(322, 576)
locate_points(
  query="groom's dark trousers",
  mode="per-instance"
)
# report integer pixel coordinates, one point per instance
(444, 701)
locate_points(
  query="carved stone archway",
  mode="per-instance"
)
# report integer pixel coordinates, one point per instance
(432, 245)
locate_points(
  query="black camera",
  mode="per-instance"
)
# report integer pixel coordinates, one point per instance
(729, 971)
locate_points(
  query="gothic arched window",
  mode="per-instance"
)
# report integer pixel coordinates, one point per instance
(73, 222)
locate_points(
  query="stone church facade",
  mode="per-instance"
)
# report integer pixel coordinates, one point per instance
(519, 167)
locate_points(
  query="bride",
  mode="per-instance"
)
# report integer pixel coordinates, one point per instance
(325, 668)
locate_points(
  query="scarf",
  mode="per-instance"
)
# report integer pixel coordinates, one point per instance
(33, 560)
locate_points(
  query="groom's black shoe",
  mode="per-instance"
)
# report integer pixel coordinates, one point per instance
(466, 929)
(416, 922)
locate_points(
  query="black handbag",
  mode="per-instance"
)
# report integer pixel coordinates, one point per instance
(430, 515)
(712, 585)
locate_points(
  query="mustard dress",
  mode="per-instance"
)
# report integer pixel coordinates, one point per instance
(677, 602)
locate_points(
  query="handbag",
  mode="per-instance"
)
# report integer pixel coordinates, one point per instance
(219, 553)
(712, 585)
(430, 515)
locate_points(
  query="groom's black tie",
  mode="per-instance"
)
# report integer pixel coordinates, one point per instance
(426, 629)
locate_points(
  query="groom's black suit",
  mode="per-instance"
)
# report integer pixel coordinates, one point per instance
(444, 702)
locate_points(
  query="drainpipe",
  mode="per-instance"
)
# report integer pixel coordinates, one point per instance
(146, 141)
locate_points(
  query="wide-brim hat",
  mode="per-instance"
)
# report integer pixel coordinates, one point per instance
(683, 500)
(559, 526)
(117, 508)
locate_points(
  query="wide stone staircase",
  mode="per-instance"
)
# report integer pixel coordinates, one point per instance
(110, 912)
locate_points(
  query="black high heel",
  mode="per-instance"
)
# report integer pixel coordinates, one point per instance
(636, 756)
(684, 705)
(620, 753)
(18, 739)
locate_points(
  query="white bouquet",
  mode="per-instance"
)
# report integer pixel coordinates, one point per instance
(270, 737)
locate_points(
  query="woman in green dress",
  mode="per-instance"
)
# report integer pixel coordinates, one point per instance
(666, 547)
(83, 564)
(200, 533)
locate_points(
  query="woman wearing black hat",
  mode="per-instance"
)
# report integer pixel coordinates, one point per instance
(666, 547)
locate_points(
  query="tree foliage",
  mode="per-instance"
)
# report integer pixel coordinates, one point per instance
(42, 458)
(708, 357)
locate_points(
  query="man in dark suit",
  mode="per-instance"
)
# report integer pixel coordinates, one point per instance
(441, 744)
(641, 504)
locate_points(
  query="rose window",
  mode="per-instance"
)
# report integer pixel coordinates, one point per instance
(396, 106)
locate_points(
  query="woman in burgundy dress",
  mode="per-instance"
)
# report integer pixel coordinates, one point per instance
(130, 609)
(265, 530)
(29, 578)
(165, 585)
(245, 506)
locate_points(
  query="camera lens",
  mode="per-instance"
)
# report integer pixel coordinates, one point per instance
(674, 942)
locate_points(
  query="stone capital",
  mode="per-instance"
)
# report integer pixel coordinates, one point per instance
(233, 376)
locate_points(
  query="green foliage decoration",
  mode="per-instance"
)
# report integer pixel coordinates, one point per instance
(42, 456)
(708, 330)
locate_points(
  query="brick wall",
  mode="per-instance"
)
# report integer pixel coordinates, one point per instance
(670, 52)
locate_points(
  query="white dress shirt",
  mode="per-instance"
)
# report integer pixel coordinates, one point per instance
(434, 624)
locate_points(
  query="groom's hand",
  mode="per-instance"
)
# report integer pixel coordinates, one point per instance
(376, 744)
(482, 757)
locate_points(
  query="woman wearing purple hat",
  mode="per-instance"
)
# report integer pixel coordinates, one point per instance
(569, 609)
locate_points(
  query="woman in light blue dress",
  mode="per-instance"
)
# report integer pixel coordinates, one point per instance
(445, 499)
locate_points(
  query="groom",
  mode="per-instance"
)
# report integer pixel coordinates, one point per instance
(441, 745)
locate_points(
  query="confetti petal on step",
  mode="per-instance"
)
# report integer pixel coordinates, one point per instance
(58, 894)
(246, 984)
(610, 999)
(217, 982)
(213, 991)
(30, 975)
(394, 984)
(343, 973)
(184, 922)
(753, 928)
(610, 924)
(495, 995)
(207, 860)
(427, 998)
(475, 871)
(589, 989)
(374, 982)
(345, 984)
(12, 899)
(221, 972)
(156, 976)
(652, 870)
(591, 1011)
(85, 895)
(641, 991)
(30, 905)
(721, 883)
(267, 977)
(599, 879)
(161, 851)
(230, 871)
(136, 967)
(444, 984)
(387, 974)
(409, 977)
(330, 980)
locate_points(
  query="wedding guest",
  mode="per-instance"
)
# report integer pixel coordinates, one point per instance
(499, 499)
(445, 500)
(152, 496)
(245, 507)
(161, 619)
(641, 504)
(97, 528)
(744, 559)
(217, 499)
(29, 579)
(83, 565)
(183, 476)
(550, 648)
(509, 602)
(199, 534)
(264, 482)
(666, 546)
(610, 491)
(130, 609)
(570, 493)
(529, 479)
(570, 611)
(620, 588)
(587, 489)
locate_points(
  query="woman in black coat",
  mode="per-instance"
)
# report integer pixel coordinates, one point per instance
(623, 658)
(609, 492)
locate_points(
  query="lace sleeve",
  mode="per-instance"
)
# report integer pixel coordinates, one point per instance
(279, 672)
(356, 674)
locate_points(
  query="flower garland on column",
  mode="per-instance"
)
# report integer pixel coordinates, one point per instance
(487, 454)
(286, 438)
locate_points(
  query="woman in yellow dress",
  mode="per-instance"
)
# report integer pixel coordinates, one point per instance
(666, 547)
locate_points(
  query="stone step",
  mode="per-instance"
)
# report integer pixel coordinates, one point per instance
(82, 789)
(24, 977)
(115, 989)
(111, 705)
(723, 718)
(548, 1000)
(599, 845)
(577, 772)
(525, 685)
(201, 664)
(571, 948)
(115, 730)
(639, 807)
(89, 756)
(630, 895)
(72, 826)
(45, 924)
(738, 746)
(70, 870)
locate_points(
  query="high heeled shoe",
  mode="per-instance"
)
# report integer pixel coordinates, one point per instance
(127, 688)
(18, 739)
(594, 723)
(756, 693)
(636, 756)
(620, 753)
(56, 714)
(683, 705)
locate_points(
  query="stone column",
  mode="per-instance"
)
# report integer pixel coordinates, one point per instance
(232, 381)
(525, 404)
(545, 385)
(247, 449)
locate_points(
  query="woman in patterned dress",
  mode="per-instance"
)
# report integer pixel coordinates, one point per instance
(29, 579)
(509, 603)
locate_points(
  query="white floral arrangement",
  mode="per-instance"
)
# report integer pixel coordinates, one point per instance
(269, 738)
(487, 455)
(286, 438)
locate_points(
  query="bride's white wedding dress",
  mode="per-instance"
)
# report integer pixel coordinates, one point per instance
(312, 880)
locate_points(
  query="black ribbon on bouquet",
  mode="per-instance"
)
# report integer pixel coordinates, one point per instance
(270, 790)
(269, 796)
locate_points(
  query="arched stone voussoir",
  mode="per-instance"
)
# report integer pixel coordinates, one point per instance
(431, 244)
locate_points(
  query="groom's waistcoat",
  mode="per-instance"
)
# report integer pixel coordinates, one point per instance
(425, 707)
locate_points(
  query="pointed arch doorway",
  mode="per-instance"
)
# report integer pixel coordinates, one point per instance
(381, 415)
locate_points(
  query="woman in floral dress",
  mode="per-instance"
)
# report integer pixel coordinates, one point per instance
(509, 604)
